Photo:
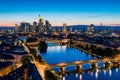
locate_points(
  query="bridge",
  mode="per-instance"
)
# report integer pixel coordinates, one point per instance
(58, 41)
(78, 64)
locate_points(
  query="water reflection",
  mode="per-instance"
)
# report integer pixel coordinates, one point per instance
(60, 76)
(116, 70)
(110, 72)
(63, 78)
(58, 48)
(64, 48)
(80, 76)
(97, 70)
(76, 75)
(91, 73)
(96, 75)
(99, 74)
(104, 72)
(57, 54)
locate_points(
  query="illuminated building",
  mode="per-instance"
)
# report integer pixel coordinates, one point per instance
(64, 28)
(47, 27)
(25, 27)
(34, 26)
(90, 29)
(16, 28)
(41, 25)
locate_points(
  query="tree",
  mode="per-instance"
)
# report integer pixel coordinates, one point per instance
(25, 59)
(31, 39)
(50, 76)
(42, 46)
(70, 42)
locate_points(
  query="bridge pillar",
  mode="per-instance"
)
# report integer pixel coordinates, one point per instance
(95, 65)
(107, 64)
(62, 70)
(111, 64)
(79, 67)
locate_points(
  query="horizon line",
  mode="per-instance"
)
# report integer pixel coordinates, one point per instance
(70, 25)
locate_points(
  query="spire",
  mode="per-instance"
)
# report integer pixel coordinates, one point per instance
(39, 16)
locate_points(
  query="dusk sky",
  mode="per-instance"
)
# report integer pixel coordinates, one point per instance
(72, 12)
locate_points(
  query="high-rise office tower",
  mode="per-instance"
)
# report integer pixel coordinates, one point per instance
(47, 27)
(41, 25)
(22, 27)
(28, 27)
(25, 27)
(90, 29)
(64, 28)
(16, 28)
(34, 26)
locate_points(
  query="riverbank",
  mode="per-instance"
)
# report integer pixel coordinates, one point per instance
(94, 50)
(41, 64)
(74, 46)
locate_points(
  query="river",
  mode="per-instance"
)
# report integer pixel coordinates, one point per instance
(57, 54)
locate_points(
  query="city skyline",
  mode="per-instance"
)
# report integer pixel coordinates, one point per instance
(72, 12)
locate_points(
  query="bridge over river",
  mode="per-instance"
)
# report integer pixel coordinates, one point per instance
(78, 64)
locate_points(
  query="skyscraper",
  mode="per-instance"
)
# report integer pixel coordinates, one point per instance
(90, 29)
(16, 28)
(25, 27)
(41, 25)
(34, 26)
(47, 27)
(64, 28)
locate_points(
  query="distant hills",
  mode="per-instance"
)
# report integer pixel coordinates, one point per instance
(84, 27)
(74, 27)
(6, 28)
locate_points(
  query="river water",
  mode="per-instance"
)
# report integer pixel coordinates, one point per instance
(57, 54)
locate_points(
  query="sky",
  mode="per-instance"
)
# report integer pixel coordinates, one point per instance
(57, 12)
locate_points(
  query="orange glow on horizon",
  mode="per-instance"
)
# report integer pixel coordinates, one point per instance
(55, 24)
(7, 24)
